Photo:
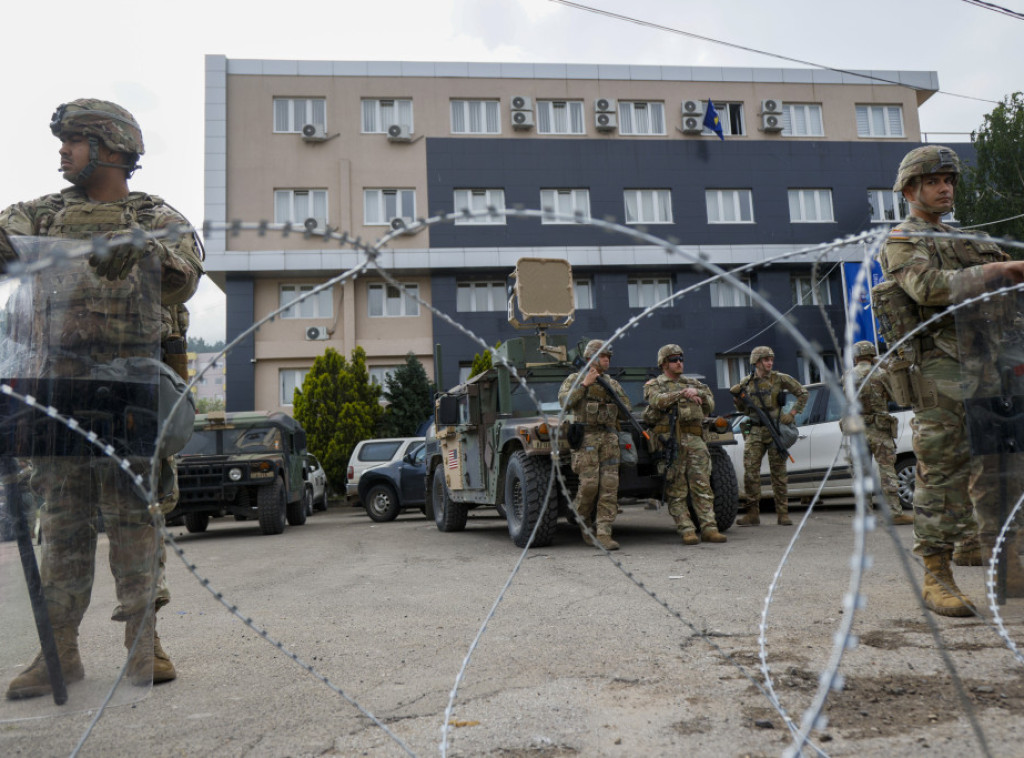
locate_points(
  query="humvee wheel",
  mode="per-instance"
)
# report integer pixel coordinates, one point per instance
(725, 487)
(526, 484)
(448, 515)
(270, 504)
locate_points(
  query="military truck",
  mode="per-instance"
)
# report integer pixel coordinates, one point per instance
(249, 464)
(493, 437)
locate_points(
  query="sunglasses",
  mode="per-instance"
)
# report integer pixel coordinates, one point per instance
(675, 359)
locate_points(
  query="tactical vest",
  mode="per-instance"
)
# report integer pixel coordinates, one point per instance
(596, 409)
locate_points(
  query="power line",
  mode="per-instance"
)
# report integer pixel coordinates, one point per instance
(672, 30)
(996, 8)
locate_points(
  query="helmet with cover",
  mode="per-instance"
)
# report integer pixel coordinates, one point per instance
(100, 121)
(864, 348)
(928, 159)
(763, 351)
(594, 347)
(668, 351)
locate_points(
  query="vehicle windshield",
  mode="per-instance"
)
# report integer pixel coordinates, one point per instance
(234, 441)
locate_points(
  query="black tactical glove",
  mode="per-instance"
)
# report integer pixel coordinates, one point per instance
(117, 261)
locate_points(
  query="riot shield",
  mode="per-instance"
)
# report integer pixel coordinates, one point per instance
(79, 421)
(990, 344)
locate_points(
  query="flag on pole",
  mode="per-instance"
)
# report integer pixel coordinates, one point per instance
(711, 120)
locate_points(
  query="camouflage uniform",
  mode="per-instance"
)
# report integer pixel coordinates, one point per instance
(690, 471)
(880, 427)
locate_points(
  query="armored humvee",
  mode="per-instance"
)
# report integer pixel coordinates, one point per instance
(494, 437)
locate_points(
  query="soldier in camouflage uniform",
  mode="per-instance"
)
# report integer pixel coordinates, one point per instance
(596, 460)
(764, 388)
(935, 273)
(880, 425)
(100, 147)
(682, 404)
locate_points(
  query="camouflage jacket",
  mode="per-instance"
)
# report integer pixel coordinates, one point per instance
(662, 392)
(874, 393)
(592, 405)
(764, 393)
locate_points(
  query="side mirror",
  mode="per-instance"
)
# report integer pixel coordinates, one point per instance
(448, 411)
(299, 439)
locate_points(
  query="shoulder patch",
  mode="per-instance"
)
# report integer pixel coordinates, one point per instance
(899, 235)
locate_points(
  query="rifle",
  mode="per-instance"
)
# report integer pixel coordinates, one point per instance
(579, 363)
(671, 450)
(765, 421)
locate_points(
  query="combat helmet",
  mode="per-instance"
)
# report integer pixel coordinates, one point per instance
(760, 352)
(667, 351)
(928, 159)
(864, 348)
(595, 346)
(100, 121)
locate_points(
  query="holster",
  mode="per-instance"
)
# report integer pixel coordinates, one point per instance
(175, 355)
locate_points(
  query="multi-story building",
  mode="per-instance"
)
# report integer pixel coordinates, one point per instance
(212, 384)
(807, 156)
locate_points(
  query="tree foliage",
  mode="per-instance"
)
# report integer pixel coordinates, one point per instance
(338, 407)
(199, 345)
(482, 361)
(409, 395)
(208, 404)
(993, 188)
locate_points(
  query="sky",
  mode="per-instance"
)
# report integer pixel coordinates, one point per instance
(149, 57)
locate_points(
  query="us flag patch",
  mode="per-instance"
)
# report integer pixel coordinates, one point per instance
(453, 459)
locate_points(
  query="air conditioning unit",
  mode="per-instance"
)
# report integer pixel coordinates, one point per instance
(522, 119)
(606, 122)
(693, 124)
(310, 224)
(399, 224)
(313, 133)
(399, 133)
(771, 122)
(317, 333)
(605, 105)
(771, 105)
(693, 108)
(522, 103)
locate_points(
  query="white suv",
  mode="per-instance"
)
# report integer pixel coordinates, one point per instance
(371, 453)
(816, 448)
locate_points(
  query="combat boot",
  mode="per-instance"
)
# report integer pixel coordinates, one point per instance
(142, 660)
(905, 518)
(35, 680)
(1009, 555)
(967, 555)
(587, 539)
(690, 537)
(711, 534)
(752, 517)
(940, 593)
(606, 541)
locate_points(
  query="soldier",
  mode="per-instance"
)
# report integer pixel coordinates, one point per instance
(596, 460)
(764, 388)
(880, 425)
(935, 273)
(681, 404)
(100, 147)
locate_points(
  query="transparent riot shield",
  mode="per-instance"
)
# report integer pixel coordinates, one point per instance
(79, 420)
(990, 341)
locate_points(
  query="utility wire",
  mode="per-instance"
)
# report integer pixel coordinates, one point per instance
(996, 9)
(660, 27)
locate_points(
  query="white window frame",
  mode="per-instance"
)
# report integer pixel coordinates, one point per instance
(377, 114)
(647, 206)
(730, 369)
(379, 203)
(393, 302)
(811, 206)
(645, 291)
(721, 202)
(725, 295)
(565, 202)
(480, 200)
(485, 114)
(807, 117)
(378, 374)
(897, 206)
(290, 114)
(642, 117)
(560, 117)
(583, 293)
(312, 202)
(880, 121)
(320, 305)
(807, 371)
(803, 292)
(728, 114)
(481, 297)
(293, 377)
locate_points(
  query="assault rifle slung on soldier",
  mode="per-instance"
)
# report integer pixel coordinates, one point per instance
(767, 423)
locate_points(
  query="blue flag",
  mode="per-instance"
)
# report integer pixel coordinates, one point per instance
(711, 120)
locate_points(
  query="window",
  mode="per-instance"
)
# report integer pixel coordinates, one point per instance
(646, 291)
(731, 369)
(641, 118)
(389, 300)
(808, 206)
(296, 206)
(481, 296)
(475, 117)
(724, 295)
(648, 206)
(559, 117)
(730, 116)
(291, 114)
(291, 379)
(807, 371)
(379, 374)
(804, 292)
(583, 294)
(464, 369)
(382, 205)
(378, 115)
(320, 305)
(887, 205)
(802, 120)
(730, 206)
(879, 121)
(480, 200)
(565, 202)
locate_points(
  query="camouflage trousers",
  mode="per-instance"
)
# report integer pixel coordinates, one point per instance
(690, 474)
(596, 463)
(883, 450)
(73, 489)
(756, 444)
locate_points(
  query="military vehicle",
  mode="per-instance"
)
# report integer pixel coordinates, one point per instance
(494, 436)
(249, 464)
